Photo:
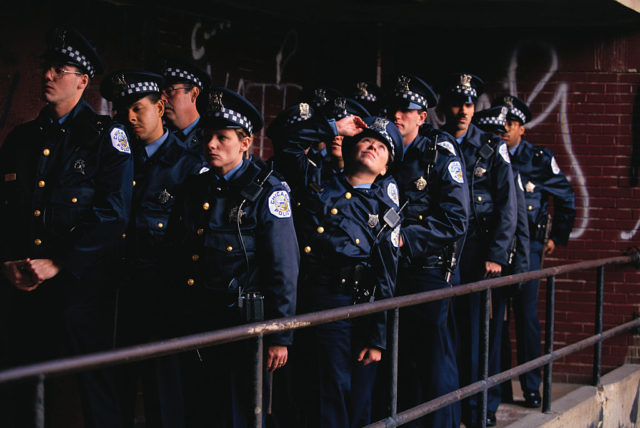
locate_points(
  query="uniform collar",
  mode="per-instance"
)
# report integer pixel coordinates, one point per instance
(186, 131)
(231, 174)
(472, 136)
(153, 147)
(512, 151)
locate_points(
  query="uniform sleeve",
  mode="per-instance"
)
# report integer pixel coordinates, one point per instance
(505, 206)
(521, 257)
(279, 259)
(564, 203)
(100, 234)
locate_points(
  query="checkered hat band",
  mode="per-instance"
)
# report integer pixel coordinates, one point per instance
(491, 120)
(235, 117)
(414, 98)
(466, 90)
(369, 97)
(514, 111)
(183, 75)
(77, 57)
(383, 132)
(137, 87)
(295, 119)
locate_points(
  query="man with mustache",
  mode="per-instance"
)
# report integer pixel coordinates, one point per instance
(492, 220)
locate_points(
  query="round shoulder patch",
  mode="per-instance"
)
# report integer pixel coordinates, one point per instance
(455, 170)
(395, 237)
(392, 191)
(504, 153)
(119, 140)
(447, 145)
(279, 204)
(554, 166)
(520, 183)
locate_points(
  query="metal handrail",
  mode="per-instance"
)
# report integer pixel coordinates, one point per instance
(259, 329)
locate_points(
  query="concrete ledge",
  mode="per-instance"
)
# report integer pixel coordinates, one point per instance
(613, 404)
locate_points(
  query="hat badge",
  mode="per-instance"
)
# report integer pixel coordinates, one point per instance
(503, 114)
(119, 80)
(402, 85)
(320, 96)
(60, 37)
(380, 124)
(465, 80)
(215, 101)
(362, 89)
(303, 110)
(508, 100)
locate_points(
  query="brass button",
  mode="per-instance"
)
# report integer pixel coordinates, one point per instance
(307, 249)
(320, 229)
(229, 248)
(479, 198)
(530, 207)
(37, 241)
(124, 235)
(74, 200)
(46, 152)
(37, 213)
(347, 195)
(160, 225)
(200, 232)
(420, 217)
(195, 257)
(334, 211)
(205, 206)
(41, 183)
(297, 204)
(357, 241)
(190, 281)
(134, 183)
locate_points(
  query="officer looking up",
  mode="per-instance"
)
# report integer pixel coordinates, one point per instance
(66, 197)
(542, 178)
(431, 180)
(492, 220)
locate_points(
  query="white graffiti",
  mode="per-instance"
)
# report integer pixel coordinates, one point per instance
(199, 34)
(560, 98)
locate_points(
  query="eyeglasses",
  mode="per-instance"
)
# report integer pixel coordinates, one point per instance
(58, 71)
(170, 90)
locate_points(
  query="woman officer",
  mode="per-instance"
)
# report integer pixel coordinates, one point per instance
(348, 232)
(237, 242)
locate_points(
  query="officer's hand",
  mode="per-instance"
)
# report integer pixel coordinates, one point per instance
(350, 126)
(549, 247)
(369, 355)
(20, 275)
(491, 269)
(43, 269)
(276, 357)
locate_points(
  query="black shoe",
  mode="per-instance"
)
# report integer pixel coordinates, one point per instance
(491, 418)
(532, 399)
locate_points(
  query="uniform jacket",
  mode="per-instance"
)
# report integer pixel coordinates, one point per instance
(192, 140)
(542, 178)
(520, 262)
(211, 248)
(493, 206)
(66, 190)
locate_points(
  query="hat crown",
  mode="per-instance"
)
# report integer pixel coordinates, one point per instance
(60, 38)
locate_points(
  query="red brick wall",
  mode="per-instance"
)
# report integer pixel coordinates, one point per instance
(587, 100)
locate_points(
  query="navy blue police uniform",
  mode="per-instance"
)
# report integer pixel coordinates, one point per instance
(236, 242)
(492, 225)
(66, 196)
(432, 183)
(349, 255)
(492, 120)
(160, 169)
(186, 72)
(541, 178)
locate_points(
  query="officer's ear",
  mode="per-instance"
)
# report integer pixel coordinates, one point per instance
(195, 91)
(83, 82)
(423, 116)
(521, 130)
(160, 106)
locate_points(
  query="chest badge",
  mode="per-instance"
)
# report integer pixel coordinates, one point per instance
(164, 196)
(236, 214)
(420, 183)
(479, 171)
(529, 187)
(80, 166)
(373, 220)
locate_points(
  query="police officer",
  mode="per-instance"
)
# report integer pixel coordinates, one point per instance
(492, 220)
(493, 120)
(431, 180)
(542, 178)
(162, 164)
(369, 95)
(184, 82)
(237, 246)
(66, 197)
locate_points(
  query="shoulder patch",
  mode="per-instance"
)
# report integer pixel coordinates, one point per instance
(279, 204)
(455, 170)
(395, 237)
(520, 183)
(392, 191)
(554, 166)
(119, 140)
(447, 145)
(504, 153)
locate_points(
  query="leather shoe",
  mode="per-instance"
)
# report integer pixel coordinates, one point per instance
(491, 418)
(532, 399)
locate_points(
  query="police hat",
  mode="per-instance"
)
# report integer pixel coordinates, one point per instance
(66, 45)
(492, 119)
(341, 107)
(518, 109)
(320, 97)
(222, 108)
(384, 130)
(369, 95)
(463, 88)
(290, 116)
(177, 71)
(410, 92)
(123, 88)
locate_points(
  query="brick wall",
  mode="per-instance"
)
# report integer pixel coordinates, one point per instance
(582, 86)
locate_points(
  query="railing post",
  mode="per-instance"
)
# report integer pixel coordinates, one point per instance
(39, 403)
(548, 343)
(393, 397)
(258, 358)
(597, 348)
(485, 297)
